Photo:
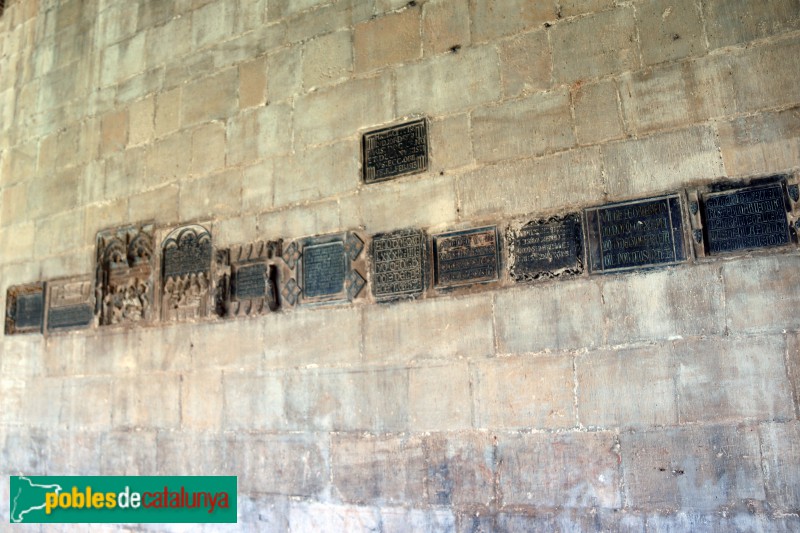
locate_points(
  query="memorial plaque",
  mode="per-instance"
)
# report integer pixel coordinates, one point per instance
(323, 269)
(25, 309)
(186, 290)
(637, 234)
(398, 264)
(395, 151)
(747, 218)
(466, 257)
(70, 304)
(546, 248)
(252, 274)
(125, 267)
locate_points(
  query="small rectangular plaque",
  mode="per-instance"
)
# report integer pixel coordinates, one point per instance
(398, 264)
(324, 269)
(395, 151)
(250, 281)
(637, 234)
(70, 304)
(466, 257)
(546, 248)
(25, 309)
(753, 217)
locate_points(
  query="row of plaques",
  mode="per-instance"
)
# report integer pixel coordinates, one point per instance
(194, 280)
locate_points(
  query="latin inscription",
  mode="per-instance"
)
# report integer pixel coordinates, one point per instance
(398, 263)
(395, 151)
(70, 316)
(250, 281)
(747, 218)
(190, 256)
(324, 269)
(29, 311)
(464, 257)
(635, 234)
(544, 249)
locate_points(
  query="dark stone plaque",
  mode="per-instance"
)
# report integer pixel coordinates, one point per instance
(324, 269)
(398, 264)
(250, 281)
(638, 234)
(68, 317)
(187, 252)
(465, 257)
(25, 309)
(70, 304)
(753, 217)
(186, 277)
(395, 151)
(546, 248)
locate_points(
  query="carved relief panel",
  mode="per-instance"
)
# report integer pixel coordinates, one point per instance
(187, 288)
(247, 279)
(124, 279)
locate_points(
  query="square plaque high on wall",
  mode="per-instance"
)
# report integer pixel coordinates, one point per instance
(466, 257)
(395, 151)
(636, 234)
(25, 308)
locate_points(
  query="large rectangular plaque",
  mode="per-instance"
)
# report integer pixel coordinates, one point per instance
(398, 264)
(25, 309)
(395, 151)
(637, 234)
(752, 217)
(70, 304)
(546, 248)
(466, 257)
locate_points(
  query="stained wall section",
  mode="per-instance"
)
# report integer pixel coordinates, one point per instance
(652, 401)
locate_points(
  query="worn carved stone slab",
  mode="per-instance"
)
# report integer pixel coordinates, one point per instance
(70, 304)
(124, 279)
(25, 308)
(746, 218)
(398, 263)
(395, 151)
(247, 279)
(637, 234)
(546, 248)
(466, 257)
(324, 269)
(187, 290)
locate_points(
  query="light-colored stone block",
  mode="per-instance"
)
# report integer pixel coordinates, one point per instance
(495, 18)
(146, 401)
(316, 173)
(581, 52)
(450, 143)
(762, 75)
(662, 162)
(258, 187)
(160, 205)
(216, 195)
(252, 402)
(439, 398)
(253, 82)
(525, 393)
(201, 401)
(327, 59)
(86, 403)
(168, 159)
(388, 40)
(284, 78)
(213, 22)
(314, 219)
(259, 133)
(114, 131)
(597, 115)
(669, 30)
(779, 445)
(440, 328)
(568, 179)
(168, 116)
(214, 97)
(449, 83)
(526, 63)
(141, 121)
(761, 144)
(631, 387)
(208, 148)
(533, 126)
(656, 99)
(724, 379)
(731, 22)
(445, 26)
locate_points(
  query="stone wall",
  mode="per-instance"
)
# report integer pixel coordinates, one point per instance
(658, 400)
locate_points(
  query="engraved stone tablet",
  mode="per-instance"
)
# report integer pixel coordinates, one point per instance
(395, 151)
(465, 257)
(324, 269)
(250, 281)
(125, 275)
(252, 274)
(186, 290)
(638, 234)
(398, 264)
(752, 217)
(25, 309)
(546, 248)
(70, 304)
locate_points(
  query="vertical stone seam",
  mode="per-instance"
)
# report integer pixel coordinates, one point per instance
(721, 277)
(577, 418)
(637, 38)
(792, 385)
(675, 383)
(699, 6)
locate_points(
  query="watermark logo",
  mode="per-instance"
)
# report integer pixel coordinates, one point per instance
(122, 499)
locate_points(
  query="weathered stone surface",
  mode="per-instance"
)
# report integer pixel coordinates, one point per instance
(253, 82)
(699, 467)
(450, 143)
(760, 144)
(219, 194)
(572, 469)
(445, 25)
(524, 393)
(780, 453)
(760, 76)
(494, 18)
(327, 59)
(536, 125)
(210, 98)
(140, 402)
(657, 98)
(387, 40)
(439, 398)
(201, 401)
(522, 327)
(597, 117)
(526, 63)
(737, 21)
(632, 387)
(461, 470)
(259, 133)
(669, 30)
(440, 328)
(252, 402)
